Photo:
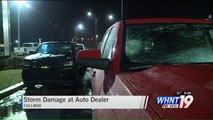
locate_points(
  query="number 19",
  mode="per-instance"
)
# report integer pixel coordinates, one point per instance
(186, 101)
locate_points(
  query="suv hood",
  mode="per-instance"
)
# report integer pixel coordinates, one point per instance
(166, 80)
(39, 56)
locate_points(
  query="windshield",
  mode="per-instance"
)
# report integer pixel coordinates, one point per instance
(27, 45)
(148, 44)
(55, 48)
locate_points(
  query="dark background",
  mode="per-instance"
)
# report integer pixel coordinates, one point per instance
(56, 20)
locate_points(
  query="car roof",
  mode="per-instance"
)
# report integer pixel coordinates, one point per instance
(167, 20)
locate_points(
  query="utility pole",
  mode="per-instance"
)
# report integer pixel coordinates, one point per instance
(6, 27)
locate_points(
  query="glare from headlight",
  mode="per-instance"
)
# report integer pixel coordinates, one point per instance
(68, 63)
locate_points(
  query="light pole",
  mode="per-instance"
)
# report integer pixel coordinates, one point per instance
(110, 17)
(18, 25)
(80, 26)
(19, 5)
(96, 26)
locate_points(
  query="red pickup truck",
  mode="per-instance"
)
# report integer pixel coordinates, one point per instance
(155, 57)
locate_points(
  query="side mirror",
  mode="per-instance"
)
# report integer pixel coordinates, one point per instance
(92, 58)
(31, 52)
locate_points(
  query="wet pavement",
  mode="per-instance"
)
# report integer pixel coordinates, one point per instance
(10, 107)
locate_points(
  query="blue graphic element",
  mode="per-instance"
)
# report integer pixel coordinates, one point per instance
(167, 100)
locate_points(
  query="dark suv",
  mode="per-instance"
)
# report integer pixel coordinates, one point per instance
(51, 63)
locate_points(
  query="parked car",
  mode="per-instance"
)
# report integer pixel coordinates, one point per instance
(26, 48)
(80, 46)
(52, 63)
(155, 57)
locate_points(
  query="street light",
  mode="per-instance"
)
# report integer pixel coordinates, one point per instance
(80, 26)
(16, 41)
(89, 13)
(19, 3)
(96, 26)
(110, 17)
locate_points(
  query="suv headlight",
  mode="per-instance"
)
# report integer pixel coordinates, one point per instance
(68, 63)
(26, 63)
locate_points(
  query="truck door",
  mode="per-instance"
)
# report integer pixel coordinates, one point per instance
(98, 75)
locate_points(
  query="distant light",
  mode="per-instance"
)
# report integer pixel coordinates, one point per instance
(28, 5)
(89, 13)
(20, 2)
(16, 41)
(80, 26)
(110, 17)
(210, 17)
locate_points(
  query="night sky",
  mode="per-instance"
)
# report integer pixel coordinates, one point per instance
(56, 20)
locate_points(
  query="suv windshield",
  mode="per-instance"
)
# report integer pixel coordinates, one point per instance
(173, 43)
(55, 48)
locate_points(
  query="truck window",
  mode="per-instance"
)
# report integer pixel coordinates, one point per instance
(106, 35)
(169, 43)
(55, 48)
(109, 44)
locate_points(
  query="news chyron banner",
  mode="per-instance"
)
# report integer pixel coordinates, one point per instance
(84, 102)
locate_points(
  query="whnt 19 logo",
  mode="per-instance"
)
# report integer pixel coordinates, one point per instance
(182, 101)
